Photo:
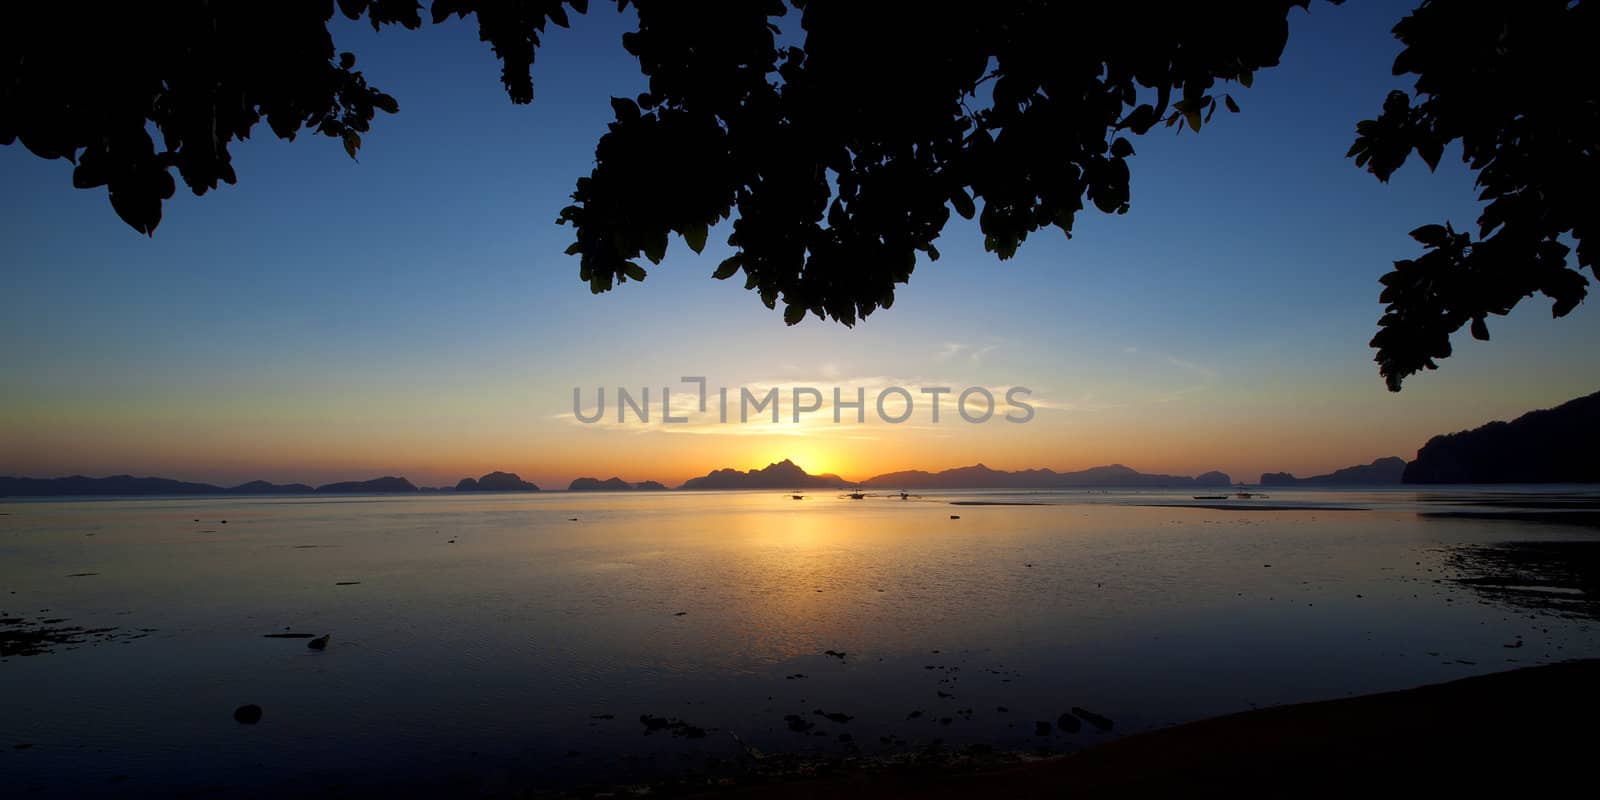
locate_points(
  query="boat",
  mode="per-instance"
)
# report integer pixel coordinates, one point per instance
(1210, 497)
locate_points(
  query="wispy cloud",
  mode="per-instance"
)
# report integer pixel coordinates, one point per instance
(956, 351)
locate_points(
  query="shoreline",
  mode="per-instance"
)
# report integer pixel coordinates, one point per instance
(1521, 730)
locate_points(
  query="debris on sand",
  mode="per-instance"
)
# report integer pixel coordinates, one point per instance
(247, 715)
(680, 613)
(835, 653)
(319, 643)
(797, 723)
(955, 516)
(1099, 722)
(1068, 723)
(834, 716)
(21, 637)
(1041, 728)
(347, 583)
(676, 727)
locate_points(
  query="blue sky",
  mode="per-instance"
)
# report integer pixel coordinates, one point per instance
(413, 312)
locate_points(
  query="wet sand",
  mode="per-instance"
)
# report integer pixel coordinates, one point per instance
(1521, 731)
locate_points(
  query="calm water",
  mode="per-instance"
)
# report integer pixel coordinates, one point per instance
(494, 642)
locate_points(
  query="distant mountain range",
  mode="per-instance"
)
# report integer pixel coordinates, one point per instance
(613, 484)
(1382, 472)
(496, 482)
(783, 475)
(787, 475)
(128, 485)
(1556, 445)
(979, 476)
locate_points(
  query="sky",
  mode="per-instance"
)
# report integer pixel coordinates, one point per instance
(412, 312)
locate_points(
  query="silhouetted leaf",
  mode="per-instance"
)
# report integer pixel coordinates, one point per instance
(793, 314)
(695, 236)
(962, 202)
(633, 271)
(727, 268)
(1431, 235)
(626, 110)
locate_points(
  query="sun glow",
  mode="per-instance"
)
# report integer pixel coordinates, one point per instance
(813, 457)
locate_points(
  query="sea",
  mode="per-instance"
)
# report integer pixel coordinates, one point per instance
(505, 644)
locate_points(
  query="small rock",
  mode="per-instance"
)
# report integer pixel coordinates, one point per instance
(1098, 721)
(955, 516)
(1041, 728)
(319, 643)
(1068, 723)
(247, 715)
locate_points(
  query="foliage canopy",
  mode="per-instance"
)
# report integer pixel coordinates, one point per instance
(840, 157)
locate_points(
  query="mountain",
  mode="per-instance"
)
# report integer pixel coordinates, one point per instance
(597, 485)
(649, 486)
(496, 482)
(1382, 472)
(1555, 445)
(783, 475)
(375, 486)
(979, 476)
(263, 487)
(113, 485)
(127, 485)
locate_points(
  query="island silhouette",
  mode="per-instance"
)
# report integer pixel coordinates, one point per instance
(1555, 445)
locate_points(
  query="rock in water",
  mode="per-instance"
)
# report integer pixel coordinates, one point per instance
(319, 643)
(247, 715)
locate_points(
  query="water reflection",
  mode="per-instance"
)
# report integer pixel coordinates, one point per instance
(494, 636)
